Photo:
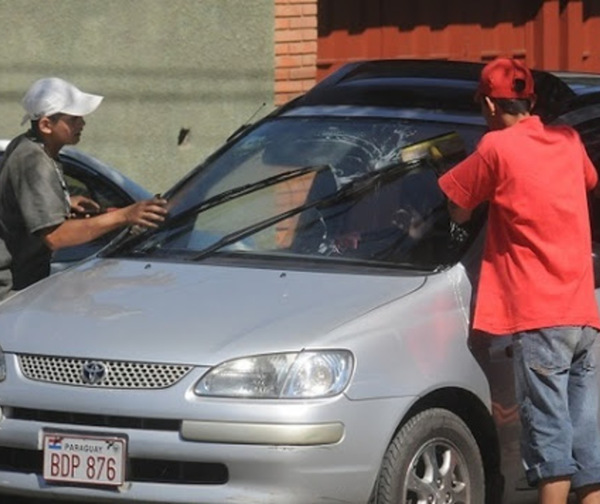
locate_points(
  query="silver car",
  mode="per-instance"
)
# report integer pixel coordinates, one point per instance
(298, 330)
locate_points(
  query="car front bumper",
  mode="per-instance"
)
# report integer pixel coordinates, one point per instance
(297, 452)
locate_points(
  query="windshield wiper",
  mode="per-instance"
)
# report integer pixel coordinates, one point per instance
(353, 188)
(246, 189)
(122, 240)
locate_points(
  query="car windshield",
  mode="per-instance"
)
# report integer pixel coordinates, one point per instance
(354, 191)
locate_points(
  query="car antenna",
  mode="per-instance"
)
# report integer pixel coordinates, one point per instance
(248, 122)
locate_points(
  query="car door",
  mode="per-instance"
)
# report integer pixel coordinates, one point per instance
(83, 180)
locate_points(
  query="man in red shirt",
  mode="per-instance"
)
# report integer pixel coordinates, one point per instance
(536, 279)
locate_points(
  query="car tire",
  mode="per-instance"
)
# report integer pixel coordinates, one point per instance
(433, 458)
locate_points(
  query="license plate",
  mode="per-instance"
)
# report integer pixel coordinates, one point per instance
(81, 458)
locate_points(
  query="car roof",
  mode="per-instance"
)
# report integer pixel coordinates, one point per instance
(579, 82)
(428, 84)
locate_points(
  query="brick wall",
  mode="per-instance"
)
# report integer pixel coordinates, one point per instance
(295, 48)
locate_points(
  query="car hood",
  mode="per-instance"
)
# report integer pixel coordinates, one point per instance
(187, 313)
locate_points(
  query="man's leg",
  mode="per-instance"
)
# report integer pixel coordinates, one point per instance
(542, 359)
(589, 494)
(554, 491)
(583, 407)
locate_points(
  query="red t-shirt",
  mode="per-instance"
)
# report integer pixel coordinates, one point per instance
(537, 264)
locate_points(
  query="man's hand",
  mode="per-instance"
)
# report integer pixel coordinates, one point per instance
(458, 214)
(82, 205)
(147, 213)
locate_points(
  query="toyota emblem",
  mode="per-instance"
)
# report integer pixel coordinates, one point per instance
(93, 372)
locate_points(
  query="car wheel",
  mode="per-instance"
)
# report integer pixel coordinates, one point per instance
(434, 458)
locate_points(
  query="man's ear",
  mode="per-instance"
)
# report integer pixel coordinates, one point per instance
(45, 125)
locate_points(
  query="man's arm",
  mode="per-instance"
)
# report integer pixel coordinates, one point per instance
(458, 214)
(469, 183)
(148, 213)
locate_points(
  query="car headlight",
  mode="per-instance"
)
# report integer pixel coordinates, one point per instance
(294, 375)
(2, 365)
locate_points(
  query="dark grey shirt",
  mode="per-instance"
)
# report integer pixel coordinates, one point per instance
(33, 197)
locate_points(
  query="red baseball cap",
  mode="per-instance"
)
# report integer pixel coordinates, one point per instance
(506, 78)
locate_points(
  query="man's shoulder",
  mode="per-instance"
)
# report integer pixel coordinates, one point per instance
(24, 150)
(511, 136)
(500, 136)
(491, 143)
(19, 142)
(565, 130)
(24, 143)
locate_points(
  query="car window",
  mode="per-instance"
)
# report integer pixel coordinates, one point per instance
(349, 145)
(369, 195)
(82, 181)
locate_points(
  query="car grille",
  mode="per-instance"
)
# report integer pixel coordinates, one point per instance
(101, 373)
(140, 470)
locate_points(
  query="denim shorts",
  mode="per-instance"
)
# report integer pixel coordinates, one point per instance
(557, 393)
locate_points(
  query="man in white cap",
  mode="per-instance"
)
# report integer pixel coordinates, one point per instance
(35, 205)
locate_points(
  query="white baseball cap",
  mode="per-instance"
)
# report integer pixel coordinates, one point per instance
(52, 95)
